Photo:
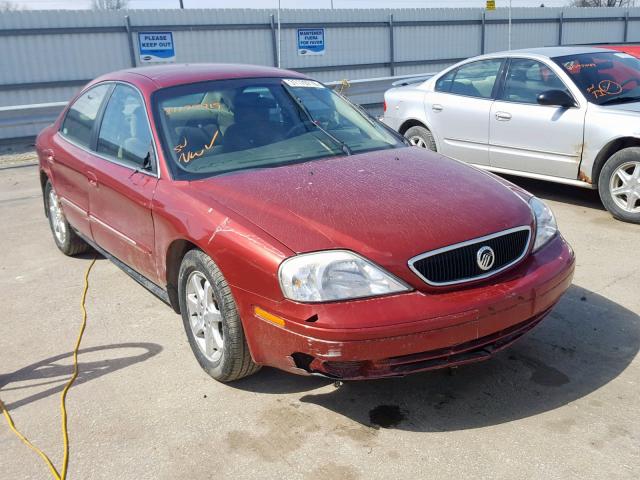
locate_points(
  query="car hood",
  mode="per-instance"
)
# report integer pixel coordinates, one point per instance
(386, 205)
(632, 108)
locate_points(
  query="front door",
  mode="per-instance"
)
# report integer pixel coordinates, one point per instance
(124, 182)
(527, 137)
(459, 110)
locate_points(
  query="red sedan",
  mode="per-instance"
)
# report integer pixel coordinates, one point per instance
(290, 229)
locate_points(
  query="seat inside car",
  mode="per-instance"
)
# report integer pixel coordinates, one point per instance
(252, 127)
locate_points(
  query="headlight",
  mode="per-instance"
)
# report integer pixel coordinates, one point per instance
(546, 226)
(334, 275)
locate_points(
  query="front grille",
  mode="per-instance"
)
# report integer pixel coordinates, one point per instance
(459, 263)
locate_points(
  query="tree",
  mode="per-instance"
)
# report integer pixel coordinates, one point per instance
(9, 7)
(109, 4)
(602, 3)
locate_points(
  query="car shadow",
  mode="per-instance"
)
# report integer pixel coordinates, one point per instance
(50, 372)
(581, 197)
(586, 342)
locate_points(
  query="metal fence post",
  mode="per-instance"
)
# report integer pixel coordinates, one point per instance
(392, 67)
(626, 26)
(561, 22)
(132, 51)
(274, 40)
(483, 32)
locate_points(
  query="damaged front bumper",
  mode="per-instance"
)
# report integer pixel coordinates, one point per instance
(414, 331)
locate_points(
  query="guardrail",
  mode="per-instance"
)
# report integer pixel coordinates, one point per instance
(25, 121)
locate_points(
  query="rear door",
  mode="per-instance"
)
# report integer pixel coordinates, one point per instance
(459, 110)
(125, 178)
(70, 157)
(529, 137)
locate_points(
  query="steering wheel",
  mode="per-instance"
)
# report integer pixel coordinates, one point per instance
(295, 128)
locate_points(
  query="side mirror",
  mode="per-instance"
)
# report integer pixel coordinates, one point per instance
(556, 98)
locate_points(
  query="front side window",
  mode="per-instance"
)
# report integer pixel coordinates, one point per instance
(81, 116)
(474, 79)
(222, 126)
(604, 78)
(526, 79)
(124, 131)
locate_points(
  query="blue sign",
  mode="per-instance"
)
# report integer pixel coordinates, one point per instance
(311, 41)
(156, 47)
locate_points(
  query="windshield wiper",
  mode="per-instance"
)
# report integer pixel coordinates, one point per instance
(345, 148)
(620, 100)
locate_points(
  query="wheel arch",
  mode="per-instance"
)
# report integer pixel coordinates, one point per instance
(607, 151)
(175, 253)
(412, 122)
(44, 178)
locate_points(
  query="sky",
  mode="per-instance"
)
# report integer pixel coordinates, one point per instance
(83, 4)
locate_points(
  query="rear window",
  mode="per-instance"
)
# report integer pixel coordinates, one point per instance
(81, 116)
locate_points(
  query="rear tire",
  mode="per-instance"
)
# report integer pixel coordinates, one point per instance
(619, 185)
(211, 320)
(421, 137)
(65, 237)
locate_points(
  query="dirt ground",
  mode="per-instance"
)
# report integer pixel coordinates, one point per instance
(561, 403)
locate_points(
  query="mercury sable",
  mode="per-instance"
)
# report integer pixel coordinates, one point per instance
(290, 229)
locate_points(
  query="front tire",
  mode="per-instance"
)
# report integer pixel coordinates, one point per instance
(619, 185)
(421, 137)
(211, 320)
(65, 237)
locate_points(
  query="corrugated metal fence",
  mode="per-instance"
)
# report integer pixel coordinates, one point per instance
(48, 55)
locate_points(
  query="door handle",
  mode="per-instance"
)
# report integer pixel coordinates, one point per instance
(436, 107)
(92, 179)
(503, 116)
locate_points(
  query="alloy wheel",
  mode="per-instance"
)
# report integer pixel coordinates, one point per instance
(625, 186)
(417, 141)
(205, 317)
(58, 223)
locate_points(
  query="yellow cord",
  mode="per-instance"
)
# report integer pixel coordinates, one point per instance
(63, 396)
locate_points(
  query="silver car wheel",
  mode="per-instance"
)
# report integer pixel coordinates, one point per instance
(625, 186)
(417, 141)
(58, 222)
(204, 316)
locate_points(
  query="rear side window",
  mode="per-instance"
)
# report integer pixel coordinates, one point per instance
(124, 132)
(474, 79)
(444, 82)
(81, 116)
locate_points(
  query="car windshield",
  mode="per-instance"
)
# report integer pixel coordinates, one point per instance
(604, 78)
(228, 125)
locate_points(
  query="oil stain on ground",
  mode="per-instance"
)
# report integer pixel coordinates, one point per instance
(387, 416)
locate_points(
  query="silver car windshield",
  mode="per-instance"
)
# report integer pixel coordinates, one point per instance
(604, 77)
(227, 125)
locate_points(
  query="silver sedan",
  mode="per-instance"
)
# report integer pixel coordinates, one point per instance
(563, 114)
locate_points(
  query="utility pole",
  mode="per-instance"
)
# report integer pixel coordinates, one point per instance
(509, 24)
(279, 34)
(181, 4)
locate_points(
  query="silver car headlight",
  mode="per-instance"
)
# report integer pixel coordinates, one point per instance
(546, 226)
(335, 275)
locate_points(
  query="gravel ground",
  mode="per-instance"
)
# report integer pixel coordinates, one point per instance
(17, 154)
(562, 403)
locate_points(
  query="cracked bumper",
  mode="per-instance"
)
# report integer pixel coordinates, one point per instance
(415, 331)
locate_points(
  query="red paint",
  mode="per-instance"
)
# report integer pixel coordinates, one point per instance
(630, 49)
(388, 206)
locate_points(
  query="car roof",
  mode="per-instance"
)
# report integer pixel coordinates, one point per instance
(548, 52)
(182, 73)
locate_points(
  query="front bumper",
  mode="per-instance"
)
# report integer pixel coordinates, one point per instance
(410, 332)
